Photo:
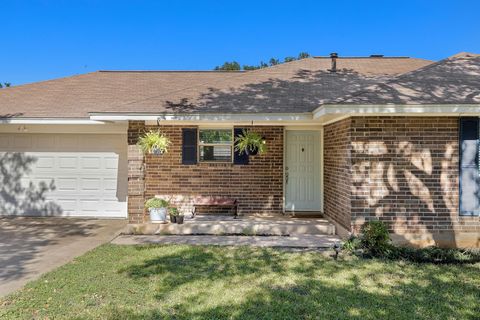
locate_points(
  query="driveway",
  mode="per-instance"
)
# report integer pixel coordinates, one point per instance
(30, 247)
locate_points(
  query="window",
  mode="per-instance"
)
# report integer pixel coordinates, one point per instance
(215, 145)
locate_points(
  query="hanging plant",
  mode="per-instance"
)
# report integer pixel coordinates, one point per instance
(154, 142)
(250, 143)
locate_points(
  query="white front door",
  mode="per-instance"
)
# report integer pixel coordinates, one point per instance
(302, 171)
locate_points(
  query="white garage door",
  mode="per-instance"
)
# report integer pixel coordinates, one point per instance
(83, 175)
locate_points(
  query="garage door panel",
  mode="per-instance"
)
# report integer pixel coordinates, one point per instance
(67, 162)
(91, 184)
(65, 175)
(66, 184)
(45, 162)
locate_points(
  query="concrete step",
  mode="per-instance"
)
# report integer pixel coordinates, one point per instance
(214, 225)
(304, 241)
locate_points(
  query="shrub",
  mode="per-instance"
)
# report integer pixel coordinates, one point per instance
(435, 255)
(375, 238)
(375, 242)
(352, 244)
(156, 203)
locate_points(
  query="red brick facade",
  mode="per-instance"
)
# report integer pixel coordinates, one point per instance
(404, 171)
(337, 181)
(257, 186)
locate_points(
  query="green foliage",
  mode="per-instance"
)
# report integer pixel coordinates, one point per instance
(375, 242)
(274, 62)
(5, 84)
(375, 238)
(249, 67)
(226, 282)
(229, 66)
(352, 244)
(249, 141)
(173, 211)
(153, 142)
(235, 66)
(156, 203)
(215, 135)
(434, 255)
(303, 55)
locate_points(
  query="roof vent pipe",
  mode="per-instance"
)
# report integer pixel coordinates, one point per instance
(334, 57)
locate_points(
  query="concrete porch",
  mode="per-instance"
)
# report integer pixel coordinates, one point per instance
(274, 225)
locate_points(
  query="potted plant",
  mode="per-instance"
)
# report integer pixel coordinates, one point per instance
(158, 209)
(154, 142)
(250, 143)
(180, 218)
(173, 211)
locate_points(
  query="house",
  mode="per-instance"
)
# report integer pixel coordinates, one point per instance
(356, 138)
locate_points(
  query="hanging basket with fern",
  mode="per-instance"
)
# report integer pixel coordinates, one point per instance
(250, 143)
(154, 142)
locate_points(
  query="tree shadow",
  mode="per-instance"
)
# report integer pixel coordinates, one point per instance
(305, 91)
(447, 82)
(16, 196)
(317, 289)
(196, 263)
(23, 239)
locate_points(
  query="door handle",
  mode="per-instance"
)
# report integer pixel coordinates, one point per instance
(286, 178)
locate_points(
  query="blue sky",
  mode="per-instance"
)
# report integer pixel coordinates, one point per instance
(48, 39)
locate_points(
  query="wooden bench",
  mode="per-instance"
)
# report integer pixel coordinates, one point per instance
(215, 202)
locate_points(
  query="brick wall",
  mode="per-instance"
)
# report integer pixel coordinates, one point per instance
(257, 186)
(404, 171)
(136, 182)
(336, 161)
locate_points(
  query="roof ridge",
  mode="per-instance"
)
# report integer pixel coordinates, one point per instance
(172, 71)
(49, 80)
(214, 81)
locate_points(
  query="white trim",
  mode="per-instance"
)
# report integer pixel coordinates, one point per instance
(48, 121)
(321, 170)
(204, 117)
(424, 110)
(113, 128)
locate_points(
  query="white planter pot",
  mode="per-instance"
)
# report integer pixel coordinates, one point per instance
(158, 215)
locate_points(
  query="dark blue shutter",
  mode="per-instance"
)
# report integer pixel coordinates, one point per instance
(469, 173)
(189, 146)
(237, 157)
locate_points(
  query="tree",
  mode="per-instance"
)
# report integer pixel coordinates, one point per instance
(229, 66)
(235, 66)
(303, 55)
(274, 62)
(5, 84)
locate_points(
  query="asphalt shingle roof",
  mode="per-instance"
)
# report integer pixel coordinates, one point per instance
(455, 80)
(295, 87)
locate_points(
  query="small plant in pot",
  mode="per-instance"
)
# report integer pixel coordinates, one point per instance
(158, 209)
(180, 218)
(173, 214)
(250, 143)
(154, 142)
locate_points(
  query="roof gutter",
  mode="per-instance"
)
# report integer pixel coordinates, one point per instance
(397, 109)
(202, 117)
(48, 121)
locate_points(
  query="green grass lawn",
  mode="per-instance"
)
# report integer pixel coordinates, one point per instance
(189, 282)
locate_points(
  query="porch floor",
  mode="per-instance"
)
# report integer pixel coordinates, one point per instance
(264, 225)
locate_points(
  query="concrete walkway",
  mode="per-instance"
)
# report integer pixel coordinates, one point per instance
(30, 247)
(300, 241)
